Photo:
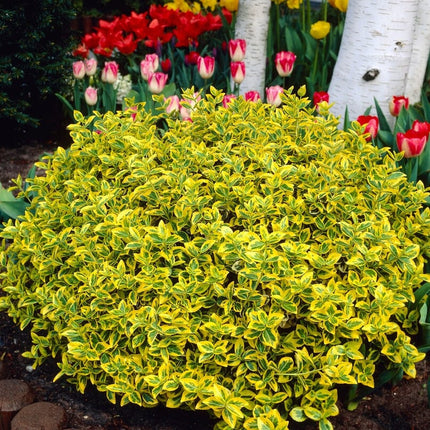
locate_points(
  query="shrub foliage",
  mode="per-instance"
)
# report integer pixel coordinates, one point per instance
(35, 38)
(244, 263)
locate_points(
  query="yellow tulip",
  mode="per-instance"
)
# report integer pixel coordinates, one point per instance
(231, 5)
(294, 4)
(320, 29)
(209, 4)
(342, 5)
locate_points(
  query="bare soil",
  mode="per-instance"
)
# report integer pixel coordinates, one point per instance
(401, 407)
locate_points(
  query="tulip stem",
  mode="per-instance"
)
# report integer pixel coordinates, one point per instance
(77, 96)
(277, 24)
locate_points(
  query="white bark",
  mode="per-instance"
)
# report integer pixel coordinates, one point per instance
(252, 25)
(420, 53)
(378, 36)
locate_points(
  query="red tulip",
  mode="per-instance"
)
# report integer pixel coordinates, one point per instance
(371, 124)
(237, 71)
(237, 49)
(320, 96)
(422, 127)
(191, 58)
(412, 143)
(206, 66)
(166, 65)
(126, 45)
(396, 104)
(284, 62)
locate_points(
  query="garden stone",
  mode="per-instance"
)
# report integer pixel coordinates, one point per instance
(14, 395)
(40, 416)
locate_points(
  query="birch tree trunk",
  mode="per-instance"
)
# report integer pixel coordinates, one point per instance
(378, 57)
(420, 53)
(252, 25)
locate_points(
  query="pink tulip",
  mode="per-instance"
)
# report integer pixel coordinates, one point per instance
(237, 71)
(133, 110)
(273, 95)
(173, 105)
(371, 124)
(396, 104)
(185, 112)
(237, 49)
(284, 62)
(206, 66)
(227, 99)
(149, 65)
(90, 66)
(157, 82)
(78, 69)
(110, 72)
(91, 96)
(252, 96)
(153, 60)
(412, 143)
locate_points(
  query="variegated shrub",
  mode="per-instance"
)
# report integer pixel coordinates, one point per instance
(246, 263)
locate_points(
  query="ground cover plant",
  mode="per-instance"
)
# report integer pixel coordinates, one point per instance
(246, 262)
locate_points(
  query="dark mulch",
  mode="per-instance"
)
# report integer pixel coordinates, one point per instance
(402, 407)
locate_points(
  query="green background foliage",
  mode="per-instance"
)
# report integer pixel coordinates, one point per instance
(35, 40)
(245, 263)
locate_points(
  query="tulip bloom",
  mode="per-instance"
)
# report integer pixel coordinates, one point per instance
(173, 105)
(227, 99)
(153, 60)
(110, 72)
(396, 104)
(273, 95)
(320, 96)
(149, 65)
(206, 66)
(320, 29)
(78, 69)
(284, 62)
(191, 58)
(91, 96)
(90, 66)
(185, 113)
(342, 5)
(166, 65)
(252, 96)
(294, 4)
(237, 69)
(157, 82)
(412, 143)
(231, 5)
(371, 124)
(237, 49)
(421, 127)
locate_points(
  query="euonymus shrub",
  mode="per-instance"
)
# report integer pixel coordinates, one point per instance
(246, 263)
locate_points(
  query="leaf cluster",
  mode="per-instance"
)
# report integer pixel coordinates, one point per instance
(245, 263)
(34, 41)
